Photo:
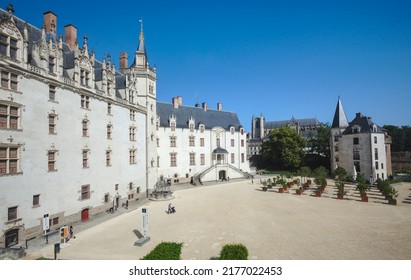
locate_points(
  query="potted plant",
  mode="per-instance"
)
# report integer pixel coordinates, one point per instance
(269, 183)
(264, 187)
(340, 186)
(392, 195)
(363, 186)
(283, 184)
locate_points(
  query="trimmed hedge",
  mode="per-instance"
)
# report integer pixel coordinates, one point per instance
(234, 252)
(165, 251)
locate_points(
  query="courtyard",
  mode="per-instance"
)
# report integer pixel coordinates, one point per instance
(271, 225)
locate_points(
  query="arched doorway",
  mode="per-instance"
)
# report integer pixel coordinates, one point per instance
(222, 175)
(12, 237)
(84, 215)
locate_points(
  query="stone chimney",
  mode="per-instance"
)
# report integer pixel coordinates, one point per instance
(219, 106)
(70, 33)
(50, 22)
(370, 119)
(180, 100)
(123, 60)
(204, 105)
(175, 102)
(359, 115)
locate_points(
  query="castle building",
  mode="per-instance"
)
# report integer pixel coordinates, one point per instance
(199, 143)
(261, 130)
(79, 137)
(360, 146)
(71, 128)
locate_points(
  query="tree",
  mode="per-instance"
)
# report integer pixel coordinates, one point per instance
(284, 149)
(401, 137)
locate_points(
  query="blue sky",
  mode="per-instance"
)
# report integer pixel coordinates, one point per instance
(280, 58)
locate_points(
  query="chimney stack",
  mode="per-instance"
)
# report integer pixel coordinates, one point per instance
(204, 106)
(370, 119)
(123, 60)
(219, 106)
(70, 33)
(175, 102)
(358, 115)
(180, 100)
(50, 22)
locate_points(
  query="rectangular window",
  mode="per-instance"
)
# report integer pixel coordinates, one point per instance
(158, 161)
(52, 92)
(356, 154)
(336, 138)
(382, 165)
(9, 158)
(85, 102)
(376, 165)
(336, 148)
(191, 141)
(84, 77)
(132, 133)
(36, 200)
(192, 159)
(109, 108)
(108, 158)
(109, 131)
(173, 126)
(173, 159)
(242, 158)
(52, 124)
(9, 116)
(85, 128)
(356, 141)
(376, 153)
(132, 155)
(232, 142)
(242, 142)
(173, 141)
(12, 213)
(85, 158)
(375, 140)
(218, 142)
(201, 142)
(51, 64)
(106, 198)
(202, 159)
(13, 48)
(132, 115)
(9, 80)
(51, 160)
(3, 44)
(232, 158)
(85, 192)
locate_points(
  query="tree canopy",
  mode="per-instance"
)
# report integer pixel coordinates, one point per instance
(284, 149)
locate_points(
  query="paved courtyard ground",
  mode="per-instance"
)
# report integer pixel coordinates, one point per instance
(271, 225)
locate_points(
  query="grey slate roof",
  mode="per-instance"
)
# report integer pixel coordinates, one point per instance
(300, 122)
(340, 119)
(365, 123)
(210, 118)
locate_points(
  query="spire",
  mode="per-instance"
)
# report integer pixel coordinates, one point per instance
(141, 47)
(340, 120)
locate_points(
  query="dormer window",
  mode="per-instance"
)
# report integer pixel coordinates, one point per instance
(84, 77)
(52, 64)
(9, 46)
(356, 129)
(202, 128)
(172, 121)
(191, 124)
(232, 130)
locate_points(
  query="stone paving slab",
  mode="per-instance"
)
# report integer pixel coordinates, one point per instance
(270, 224)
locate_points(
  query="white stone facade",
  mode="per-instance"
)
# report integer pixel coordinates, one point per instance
(77, 137)
(188, 137)
(361, 144)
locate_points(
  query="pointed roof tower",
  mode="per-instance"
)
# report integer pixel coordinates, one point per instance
(141, 60)
(141, 47)
(340, 120)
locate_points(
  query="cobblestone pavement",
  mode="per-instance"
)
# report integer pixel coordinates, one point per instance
(270, 224)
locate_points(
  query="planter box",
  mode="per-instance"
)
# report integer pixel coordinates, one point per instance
(392, 201)
(318, 194)
(298, 192)
(264, 189)
(364, 198)
(280, 190)
(340, 196)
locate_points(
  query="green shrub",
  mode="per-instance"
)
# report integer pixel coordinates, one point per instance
(234, 252)
(165, 251)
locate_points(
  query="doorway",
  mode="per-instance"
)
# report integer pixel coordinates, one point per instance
(12, 238)
(84, 215)
(222, 175)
